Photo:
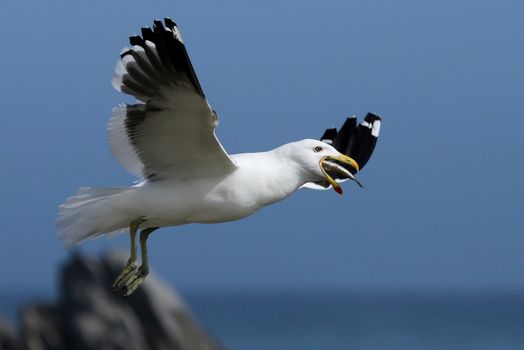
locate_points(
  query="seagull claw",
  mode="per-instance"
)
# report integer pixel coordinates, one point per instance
(129, 271)
(132, 284)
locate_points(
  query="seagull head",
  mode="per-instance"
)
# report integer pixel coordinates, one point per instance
(323, 163)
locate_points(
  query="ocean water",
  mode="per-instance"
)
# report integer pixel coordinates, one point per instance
(336, 320)
(363, 321)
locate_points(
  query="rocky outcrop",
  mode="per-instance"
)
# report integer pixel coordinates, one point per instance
(8, 338)
(88, 316)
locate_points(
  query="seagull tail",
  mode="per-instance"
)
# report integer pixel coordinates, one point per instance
(90, 213)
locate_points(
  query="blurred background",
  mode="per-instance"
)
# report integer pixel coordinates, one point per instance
(428, 256)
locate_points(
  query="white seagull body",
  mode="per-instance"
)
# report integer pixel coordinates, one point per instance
(167, 139)
(252, 184)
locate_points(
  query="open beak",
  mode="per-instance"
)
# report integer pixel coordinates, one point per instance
(332, 164)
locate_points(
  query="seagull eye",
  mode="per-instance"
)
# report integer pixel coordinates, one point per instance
(317, 149)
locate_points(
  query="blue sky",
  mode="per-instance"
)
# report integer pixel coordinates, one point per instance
(443, 206)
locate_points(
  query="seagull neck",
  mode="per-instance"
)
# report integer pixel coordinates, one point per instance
(272, 176)
(282, 174)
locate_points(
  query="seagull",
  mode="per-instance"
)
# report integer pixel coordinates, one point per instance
(167, 139)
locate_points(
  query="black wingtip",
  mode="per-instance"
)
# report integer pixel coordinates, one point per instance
(370, 117)
(147, 33)
(136, 40)
(163, 59)
(158, 23)
(125, 53)
(329, 135)
(344, 140)
(169, 23)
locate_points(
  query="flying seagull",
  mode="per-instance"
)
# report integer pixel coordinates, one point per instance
(167, 140)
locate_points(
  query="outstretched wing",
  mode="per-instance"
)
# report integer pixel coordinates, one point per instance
(170, 133)
(357, 142)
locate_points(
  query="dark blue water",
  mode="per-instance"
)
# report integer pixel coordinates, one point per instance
(404, 321)
(363, 321)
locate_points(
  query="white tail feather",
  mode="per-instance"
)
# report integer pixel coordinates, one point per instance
(89, 214)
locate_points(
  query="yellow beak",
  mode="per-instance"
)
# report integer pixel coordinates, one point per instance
(342, 158)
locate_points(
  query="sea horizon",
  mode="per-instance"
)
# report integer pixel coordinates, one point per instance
(337, 319)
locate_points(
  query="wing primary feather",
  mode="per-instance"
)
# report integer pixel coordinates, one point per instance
(147, 34)
(136, 89)
(179, 51)
(152, 55)
(329, 135)
(169, 22)
(152, 52)
(162, 51)
(141, 59)
(345, 137)
(133, 69)
(125, 53)
(366, 138)
(136, 40)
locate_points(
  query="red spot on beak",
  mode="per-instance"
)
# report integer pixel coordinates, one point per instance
(338, 190)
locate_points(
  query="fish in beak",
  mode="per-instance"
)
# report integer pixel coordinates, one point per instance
(333, 166)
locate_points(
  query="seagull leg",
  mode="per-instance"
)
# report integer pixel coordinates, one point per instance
(138, 278)
(130, 268)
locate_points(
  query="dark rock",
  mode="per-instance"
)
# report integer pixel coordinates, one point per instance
(88, 316)
(41, 327)
(8, 338)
